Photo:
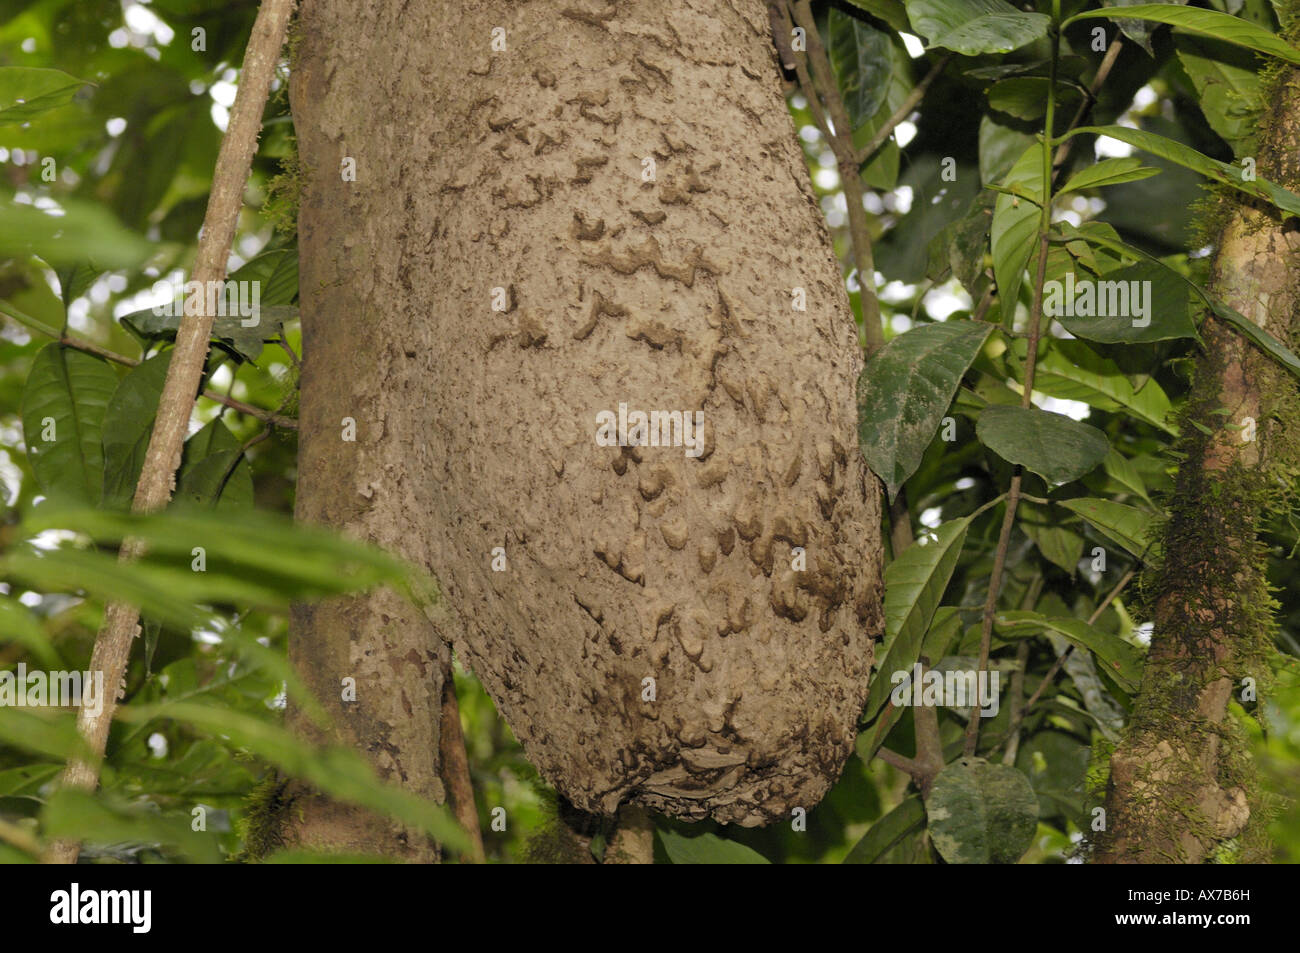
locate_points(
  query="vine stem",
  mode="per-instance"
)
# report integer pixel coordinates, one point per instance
(1026, 400)
(184, 374)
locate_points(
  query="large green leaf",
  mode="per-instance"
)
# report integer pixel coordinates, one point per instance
(972, 27)
(1055, 447)
(1257, 335)
(1014, 234)
(1211, 23)
(128, 425)
(28, 91)
(981, 813)
(885, 833)
(68, 391)
(1122, 660)
(707, 849)
(78, 231)
(1112, 300)
(863, 60)
(1126, 525)
(1070, 370)
(1188, 157)
(904, 391)
(914, 585)
(1227, 86)
(944, 627)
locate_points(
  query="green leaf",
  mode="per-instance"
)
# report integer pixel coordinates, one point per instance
(1122, 470)
(1211, 23)
(1014, 234)
(999, 147)
(943, 629)
(1122, 660)
(263, 554)
(1106, 308)
(972, 27)
(214, 469)
(891, 11)
(862, 58)
(79, 815)
(1055, 447)
(74, 280)
(340, 772)
(149, 326)
(904, 391)
(1025, 97)
(1059, 545)
(28, 91)
(67, 391)
(17, 624)
(981, 813)
(1109, 172)
(1227, 86)
(80, 230)
(1139, 31)
(881, 170)
(28, 299)
(128, 425)
(1261, 338)
(1189, 158)
(1126, 525)
(1070, 370)
(888, 831)
(914, 585)
(707, 849)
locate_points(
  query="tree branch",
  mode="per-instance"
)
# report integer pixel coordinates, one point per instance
(184, 373)
(840, 139)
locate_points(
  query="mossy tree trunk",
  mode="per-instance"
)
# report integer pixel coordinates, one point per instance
(1180, 787)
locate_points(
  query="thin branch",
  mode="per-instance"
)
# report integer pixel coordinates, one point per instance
(1103, 71)
(1026, 401)
(184, 373)
(903, 111)
(901, 762)
(840, 139)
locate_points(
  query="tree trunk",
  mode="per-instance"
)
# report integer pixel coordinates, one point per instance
(1180, 785)
(559, 209)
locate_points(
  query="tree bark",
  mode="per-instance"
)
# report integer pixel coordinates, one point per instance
(623, 182)
(1180, 782)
